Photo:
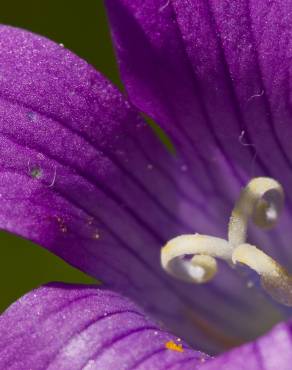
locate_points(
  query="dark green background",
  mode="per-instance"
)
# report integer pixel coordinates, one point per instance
(82, 27)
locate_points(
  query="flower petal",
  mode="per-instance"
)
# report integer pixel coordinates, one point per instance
(217, 78)
(271, 352)
(72, 327)
(83, 175)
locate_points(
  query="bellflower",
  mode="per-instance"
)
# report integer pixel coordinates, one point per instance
(84, 176)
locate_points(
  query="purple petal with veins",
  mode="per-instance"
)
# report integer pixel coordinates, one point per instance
(83, 175)
(271, 352)
(72, 327)
(217, 78)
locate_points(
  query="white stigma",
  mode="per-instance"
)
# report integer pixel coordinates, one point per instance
(192, 258)
(262, 200)
(203, 248)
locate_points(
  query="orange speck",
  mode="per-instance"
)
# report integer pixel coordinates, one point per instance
(173, 346)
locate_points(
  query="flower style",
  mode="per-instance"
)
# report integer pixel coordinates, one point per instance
(84, 176)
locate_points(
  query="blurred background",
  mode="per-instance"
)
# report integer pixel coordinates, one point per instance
(82, 27)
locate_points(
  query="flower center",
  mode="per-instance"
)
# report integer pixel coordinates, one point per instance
(192, 258)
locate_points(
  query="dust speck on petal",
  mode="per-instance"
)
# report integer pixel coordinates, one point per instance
(32, 116)
(35, 172)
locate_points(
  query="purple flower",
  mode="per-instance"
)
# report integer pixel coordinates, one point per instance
(84, 176)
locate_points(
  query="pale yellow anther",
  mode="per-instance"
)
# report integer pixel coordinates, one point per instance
(262, 201)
